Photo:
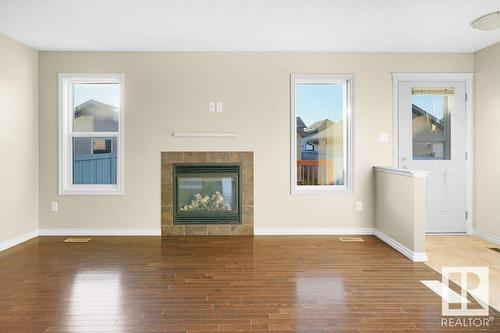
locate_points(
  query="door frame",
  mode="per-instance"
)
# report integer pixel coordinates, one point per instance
(467, 78)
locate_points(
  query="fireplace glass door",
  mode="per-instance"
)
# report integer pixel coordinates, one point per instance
(206, 194)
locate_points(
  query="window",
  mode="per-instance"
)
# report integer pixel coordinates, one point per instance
(101, 146)
(431, 123)
(321, 133)
(91, 134)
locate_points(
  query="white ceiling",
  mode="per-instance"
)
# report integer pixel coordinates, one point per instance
(249, 25)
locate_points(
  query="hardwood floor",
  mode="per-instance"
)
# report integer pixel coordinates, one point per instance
(462, 250)
(216, 283)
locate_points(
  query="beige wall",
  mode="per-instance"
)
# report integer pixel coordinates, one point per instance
(400, 208)
(168, 92)
(486, 149)
(18, 139)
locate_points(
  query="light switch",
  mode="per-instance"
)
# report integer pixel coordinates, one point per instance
(211, 106)
(383, 138)
(359, 206)
(219, 107)
(54, 206)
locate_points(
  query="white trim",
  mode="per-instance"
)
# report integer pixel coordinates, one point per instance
(469, 148)
(18, 240)
(66, 186)
(347, 80)
(414, 256)
(402, 172)
(415, 77)
(313, 231)
(102, 232)
(203, 135)
(488, 237)
(467, 78)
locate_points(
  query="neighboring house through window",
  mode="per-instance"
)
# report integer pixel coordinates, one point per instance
(321, 133)
(91, 134)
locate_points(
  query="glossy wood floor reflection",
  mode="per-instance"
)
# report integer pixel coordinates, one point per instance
(214, 284)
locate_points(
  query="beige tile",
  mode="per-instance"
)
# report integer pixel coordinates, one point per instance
(219, 157)
(240, 229)
(247, 194)
(246, 157)
(166, 173)
(195, 157)
(247, 175)
(166, 195)
(235, 156)
(219, 229)
(196, 230)
(172, 157)
(247, 215)
(172, 230)
(166, 216)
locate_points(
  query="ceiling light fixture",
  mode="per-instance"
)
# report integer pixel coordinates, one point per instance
(487, 22)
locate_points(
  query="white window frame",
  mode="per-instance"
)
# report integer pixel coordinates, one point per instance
(347, 81)
(66, 135)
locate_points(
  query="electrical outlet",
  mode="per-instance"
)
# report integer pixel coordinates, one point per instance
(54, 206)
(383, 138)
(218, 107)
(359, 206)
(211, 106)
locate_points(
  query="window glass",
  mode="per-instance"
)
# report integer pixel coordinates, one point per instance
(96, 107)
(320, 133)
(94, 160)
(101, 146)
(431, 123)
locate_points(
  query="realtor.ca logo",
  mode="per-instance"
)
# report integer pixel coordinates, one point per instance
(470, 307)
(474, 281)
(465, 303)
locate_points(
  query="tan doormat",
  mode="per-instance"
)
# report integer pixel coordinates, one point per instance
(351, 239)
(77, 240)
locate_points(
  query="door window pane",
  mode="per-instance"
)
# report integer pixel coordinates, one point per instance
(96, 107)
(90, 167)
(431, 123)
(320, 133)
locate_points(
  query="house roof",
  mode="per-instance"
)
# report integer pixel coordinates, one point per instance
(421, 112)
(314, 128)
(92, 116)
(96, 109)
(300, 123)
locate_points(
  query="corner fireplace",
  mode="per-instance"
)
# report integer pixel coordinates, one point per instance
(206, 194)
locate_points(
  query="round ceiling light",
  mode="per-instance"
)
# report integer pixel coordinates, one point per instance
(487, 22)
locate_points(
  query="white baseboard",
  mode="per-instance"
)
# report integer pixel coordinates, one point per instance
(414, 256)
(102, 232)
(313, 231)
(18, 240)
(488, 237)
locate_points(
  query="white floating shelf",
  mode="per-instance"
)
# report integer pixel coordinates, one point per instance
(203, 135)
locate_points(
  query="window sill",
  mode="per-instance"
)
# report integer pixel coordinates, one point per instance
(321, 190)
(92, 191)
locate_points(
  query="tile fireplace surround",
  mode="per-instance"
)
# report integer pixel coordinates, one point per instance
(244, 159)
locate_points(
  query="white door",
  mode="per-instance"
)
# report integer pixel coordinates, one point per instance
(432, 137)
